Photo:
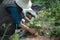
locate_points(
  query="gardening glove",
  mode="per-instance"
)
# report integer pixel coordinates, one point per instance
(23, 21)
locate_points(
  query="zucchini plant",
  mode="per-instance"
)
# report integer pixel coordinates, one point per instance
(43, 24)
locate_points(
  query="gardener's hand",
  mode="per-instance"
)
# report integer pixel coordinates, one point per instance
(27, 19)
(32, 31)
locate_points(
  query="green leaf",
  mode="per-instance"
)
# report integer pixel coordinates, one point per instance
(32, 20)
(37, 34)
(15, 36)
(38, 24)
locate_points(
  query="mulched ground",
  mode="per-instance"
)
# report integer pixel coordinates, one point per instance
(40, 38)
(32, 37)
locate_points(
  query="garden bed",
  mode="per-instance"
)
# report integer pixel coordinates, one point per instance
(41, 38)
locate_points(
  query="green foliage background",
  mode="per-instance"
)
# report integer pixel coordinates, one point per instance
(53, 7)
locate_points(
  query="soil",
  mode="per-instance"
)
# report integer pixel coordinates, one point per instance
(41, 38)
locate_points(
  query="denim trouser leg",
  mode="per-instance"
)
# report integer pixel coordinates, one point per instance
(15, 15)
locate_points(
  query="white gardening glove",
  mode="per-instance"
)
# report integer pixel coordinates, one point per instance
(23, 21)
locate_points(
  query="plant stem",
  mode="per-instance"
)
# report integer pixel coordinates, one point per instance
(5, 32)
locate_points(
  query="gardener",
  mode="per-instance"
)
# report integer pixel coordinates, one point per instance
(14, 6)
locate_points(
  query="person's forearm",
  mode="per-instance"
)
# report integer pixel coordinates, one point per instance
(24, 27)
(27, 28)
(27, 19)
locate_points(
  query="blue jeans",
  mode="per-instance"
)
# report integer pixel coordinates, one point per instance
(15, 15)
